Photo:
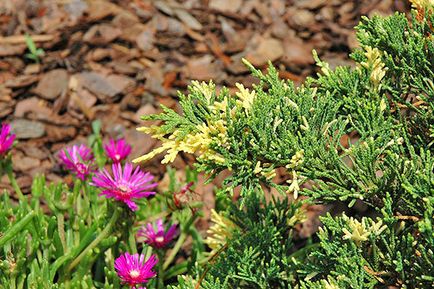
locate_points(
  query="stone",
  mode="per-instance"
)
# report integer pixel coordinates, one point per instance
(25, 129)
(52, 84)
(225, 5)
(268, 49)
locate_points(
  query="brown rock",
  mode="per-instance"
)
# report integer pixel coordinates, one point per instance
(280, 29)
(75, 8)
(268, 49)
(145, 40)
(203, 68)
(297, 53)
(35, 152)
(6, 76)
(154, 80)
(310, 4)
(103, 85)
(101, 34)
(60, 133)
(25, 163)
(188, 19)
(327, 13)
(98, 9)
(125, 19)
(352, 41)
(263, 11)
(147, 109)
(21, 81)
(9, 49)
(225, 5)
(5, 109)
(54, 178)
(25, 182)
(301, 19)
(237, 67)
(52, 84)
(82, 98)
(32, 68)
(123, 67)
(32, 104)
(40, 109)
(98, 54)
(45, 166)
(131, 33)
(175, 27)
(141, 143)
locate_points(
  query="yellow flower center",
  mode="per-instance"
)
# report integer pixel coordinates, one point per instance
(134, 273)
(123, 189)
(159, 239)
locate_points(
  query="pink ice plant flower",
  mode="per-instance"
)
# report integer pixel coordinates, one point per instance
(125, 185)
(158, 238)
(117, 150)
(77, 159)
(132, 269)
(6, 138)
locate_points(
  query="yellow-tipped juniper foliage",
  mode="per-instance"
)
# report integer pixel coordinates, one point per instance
(386, 103)
(219, 232)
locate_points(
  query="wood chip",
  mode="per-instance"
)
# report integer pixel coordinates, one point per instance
(52, 84)
(25, 129)
(105, 86)
(225, 5)
(20, 39)
(268, 49)
(188, 19)
(9, 49)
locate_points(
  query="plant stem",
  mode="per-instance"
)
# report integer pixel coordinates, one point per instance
(160, 276)
(61, 229)
(86, 199)
(180, 241)
(176, 269)
(175, 250)
(104, 233)
(131, 240)
(148, 252)
(67, 284)
(303, 250)
(14, 183)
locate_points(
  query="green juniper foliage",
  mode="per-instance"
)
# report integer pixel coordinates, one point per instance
(363, 133)
(244, 263)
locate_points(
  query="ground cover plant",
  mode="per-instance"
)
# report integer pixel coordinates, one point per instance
(353, 135)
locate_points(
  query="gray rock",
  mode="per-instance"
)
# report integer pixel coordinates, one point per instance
(25, 129)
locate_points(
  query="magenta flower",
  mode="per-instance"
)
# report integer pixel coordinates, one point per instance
(77, 159)
(125, 184)
(117, 150)
(6, 140)
(132, 270)
(158, 239)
